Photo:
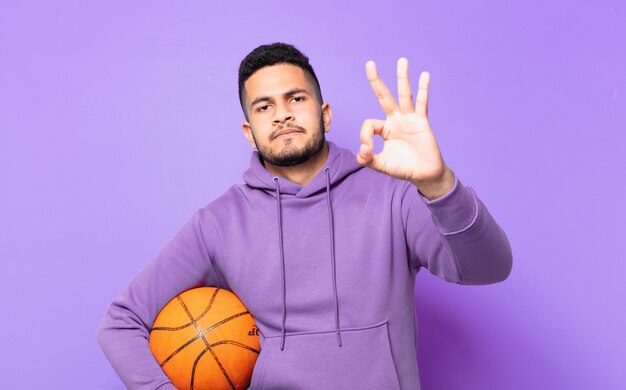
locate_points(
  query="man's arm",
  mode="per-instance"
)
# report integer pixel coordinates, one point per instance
(184, 262)
(455, 237)
(449, 230)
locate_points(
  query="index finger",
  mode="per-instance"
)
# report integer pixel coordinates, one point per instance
(386, 100)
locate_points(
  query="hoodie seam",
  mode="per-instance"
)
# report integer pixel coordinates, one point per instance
(474, 219)
(414, 261)
(350, 329)
(218, 275)
(454, 257)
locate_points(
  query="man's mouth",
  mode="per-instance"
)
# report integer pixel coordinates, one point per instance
(288, 131)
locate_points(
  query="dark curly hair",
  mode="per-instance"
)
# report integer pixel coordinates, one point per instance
(274, 54)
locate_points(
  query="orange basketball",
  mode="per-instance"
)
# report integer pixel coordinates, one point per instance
(205, 338)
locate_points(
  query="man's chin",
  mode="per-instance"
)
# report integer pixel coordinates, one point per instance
(288, 159)
(291, 155)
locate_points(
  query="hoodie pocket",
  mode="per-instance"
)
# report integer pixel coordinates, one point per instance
(316, 361)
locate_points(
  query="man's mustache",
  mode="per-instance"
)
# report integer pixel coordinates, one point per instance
(288, 126)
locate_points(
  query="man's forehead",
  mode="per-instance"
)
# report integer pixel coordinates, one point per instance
(276, 80)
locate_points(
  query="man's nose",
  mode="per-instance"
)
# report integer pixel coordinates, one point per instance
(282, 114)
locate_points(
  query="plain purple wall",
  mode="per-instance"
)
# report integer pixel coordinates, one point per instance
(118, 120)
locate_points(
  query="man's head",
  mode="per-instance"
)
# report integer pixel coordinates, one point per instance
(274, 54)
(281, 100)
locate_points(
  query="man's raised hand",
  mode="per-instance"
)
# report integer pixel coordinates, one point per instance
(410, 151)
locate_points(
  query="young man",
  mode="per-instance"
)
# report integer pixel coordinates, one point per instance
(321, 246)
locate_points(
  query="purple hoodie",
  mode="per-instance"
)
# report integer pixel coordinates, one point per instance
(327, 270)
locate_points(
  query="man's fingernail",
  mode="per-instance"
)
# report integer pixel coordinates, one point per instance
(363, 151)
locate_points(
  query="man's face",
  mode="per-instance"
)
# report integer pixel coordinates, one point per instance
(286, 122)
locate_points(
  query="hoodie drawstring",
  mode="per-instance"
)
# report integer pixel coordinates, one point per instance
(332, 253)
(282, 264)
(332, 257)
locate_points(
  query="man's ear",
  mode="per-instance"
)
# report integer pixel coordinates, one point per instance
(247, 131)
(327, 113)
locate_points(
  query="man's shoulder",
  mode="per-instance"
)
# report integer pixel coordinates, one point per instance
(231, 196)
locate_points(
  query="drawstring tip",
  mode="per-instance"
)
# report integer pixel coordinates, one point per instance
(282, 343)
(338, 339)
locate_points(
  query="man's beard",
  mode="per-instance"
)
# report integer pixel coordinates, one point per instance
(292, 155)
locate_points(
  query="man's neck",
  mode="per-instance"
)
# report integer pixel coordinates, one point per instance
(301, 174)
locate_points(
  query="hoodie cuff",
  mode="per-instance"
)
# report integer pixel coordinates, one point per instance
(455, 211)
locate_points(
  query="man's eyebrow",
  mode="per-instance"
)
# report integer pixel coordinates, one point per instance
(296, 91)
(288, 93)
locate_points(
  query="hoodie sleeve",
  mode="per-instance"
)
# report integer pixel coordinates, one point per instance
(455, 237)
(182, 263)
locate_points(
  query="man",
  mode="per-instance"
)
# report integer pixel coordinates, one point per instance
(321, 246)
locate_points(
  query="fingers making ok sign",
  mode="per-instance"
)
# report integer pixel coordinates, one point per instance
(410, 151)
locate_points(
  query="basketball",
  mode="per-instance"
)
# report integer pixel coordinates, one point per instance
(205, 338)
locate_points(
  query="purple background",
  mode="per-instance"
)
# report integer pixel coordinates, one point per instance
(118, 120)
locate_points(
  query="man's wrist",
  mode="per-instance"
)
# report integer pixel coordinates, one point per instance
(437, 188)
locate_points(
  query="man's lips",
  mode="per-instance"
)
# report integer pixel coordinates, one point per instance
(287, 131)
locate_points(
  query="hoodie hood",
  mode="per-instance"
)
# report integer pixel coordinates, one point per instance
(341, 162)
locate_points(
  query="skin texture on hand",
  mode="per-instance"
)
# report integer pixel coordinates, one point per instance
(410, 151)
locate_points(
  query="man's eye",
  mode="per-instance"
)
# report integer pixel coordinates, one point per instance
(298, 99)
(263, 108)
